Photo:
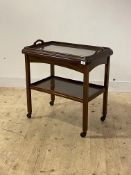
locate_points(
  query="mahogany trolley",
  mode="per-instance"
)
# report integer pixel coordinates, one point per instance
(81, 58)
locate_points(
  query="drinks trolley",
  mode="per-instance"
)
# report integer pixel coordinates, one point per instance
(81, 58)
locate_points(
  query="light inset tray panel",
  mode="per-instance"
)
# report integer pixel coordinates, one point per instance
(69, 50)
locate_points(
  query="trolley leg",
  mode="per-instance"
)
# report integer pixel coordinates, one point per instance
(105, 95)
(85, 102)
(52, 72)
(28, 89)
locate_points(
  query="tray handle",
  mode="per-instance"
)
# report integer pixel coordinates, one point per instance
(39, 41)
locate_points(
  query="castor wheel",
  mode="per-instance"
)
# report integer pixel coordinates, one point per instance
(29, 115)
(83, 134)
(103, 118)
(51, 103)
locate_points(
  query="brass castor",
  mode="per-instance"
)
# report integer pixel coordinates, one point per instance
(83, 134)
(51, 103)
(29, 115)
(103, 118)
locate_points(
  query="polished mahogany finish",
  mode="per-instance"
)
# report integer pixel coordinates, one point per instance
(82, 58)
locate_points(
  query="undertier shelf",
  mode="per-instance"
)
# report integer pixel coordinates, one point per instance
(67, 88)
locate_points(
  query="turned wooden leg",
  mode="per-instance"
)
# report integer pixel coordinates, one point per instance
(85, 102)
(28, 89)
(105, 95)
(52, 72)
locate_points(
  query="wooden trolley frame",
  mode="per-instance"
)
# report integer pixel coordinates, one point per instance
(75, 90)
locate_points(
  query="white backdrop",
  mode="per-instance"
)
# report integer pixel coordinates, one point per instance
(103, 23)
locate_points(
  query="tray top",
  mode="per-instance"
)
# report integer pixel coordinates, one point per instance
(66, 51)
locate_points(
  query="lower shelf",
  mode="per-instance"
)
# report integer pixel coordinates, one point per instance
(67, 88)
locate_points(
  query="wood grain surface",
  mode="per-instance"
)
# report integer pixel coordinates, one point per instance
(49, 142)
